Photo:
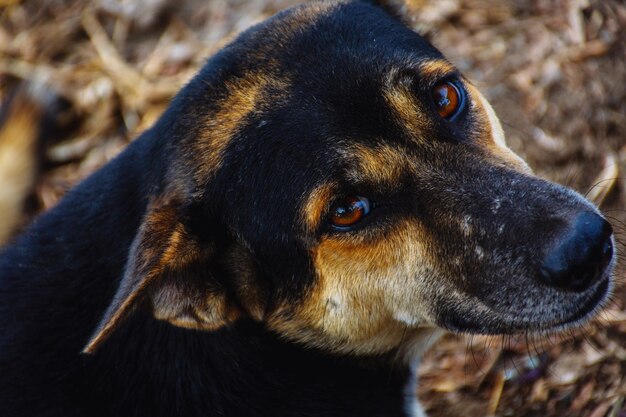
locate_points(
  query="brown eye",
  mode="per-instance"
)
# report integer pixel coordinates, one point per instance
(349, 212)
(448, 99)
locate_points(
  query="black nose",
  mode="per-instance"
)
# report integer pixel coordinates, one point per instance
(581, 255)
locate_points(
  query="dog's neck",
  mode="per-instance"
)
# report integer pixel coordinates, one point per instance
(246, 371)
(242, 370)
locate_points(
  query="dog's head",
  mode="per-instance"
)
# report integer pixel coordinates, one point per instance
(330, 174)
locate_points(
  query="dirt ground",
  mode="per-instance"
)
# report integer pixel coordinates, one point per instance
(554, 70)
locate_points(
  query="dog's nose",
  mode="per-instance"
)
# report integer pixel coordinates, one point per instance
(581, 255)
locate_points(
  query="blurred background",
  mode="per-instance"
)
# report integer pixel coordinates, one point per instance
(554, 70)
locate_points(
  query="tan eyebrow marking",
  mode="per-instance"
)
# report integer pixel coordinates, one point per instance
(436, 68)
(316, 204)
(381, 164)
(404, 102)
(405, 107)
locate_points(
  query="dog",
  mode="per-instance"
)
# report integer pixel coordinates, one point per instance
(314, 209)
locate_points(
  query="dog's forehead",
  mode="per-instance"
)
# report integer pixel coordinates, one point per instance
(309, 96)
(345, 37)
(315, 59)
(349, 68)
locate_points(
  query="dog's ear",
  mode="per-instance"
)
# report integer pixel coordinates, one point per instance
(172, 270)
(404, 10)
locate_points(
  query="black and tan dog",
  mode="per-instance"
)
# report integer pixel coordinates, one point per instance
(322, 198)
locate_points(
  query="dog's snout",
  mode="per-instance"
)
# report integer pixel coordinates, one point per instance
(581, 255)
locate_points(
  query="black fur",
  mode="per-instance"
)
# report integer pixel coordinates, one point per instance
(326, 78)
(58, 278)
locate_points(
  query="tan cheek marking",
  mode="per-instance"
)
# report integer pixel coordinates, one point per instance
(494, 130)
(368, 294)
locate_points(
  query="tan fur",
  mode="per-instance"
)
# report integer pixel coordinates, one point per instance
(316, 205)
(402, 101)
(145, 262)
(187, 304)
(247, 94)
(192, 309)
(243, 98)
(382, 164)
(370, 291)
(367, 298)
(181, 304)
(493, 138)
(435, 69)
(373, 290)
(160, 257)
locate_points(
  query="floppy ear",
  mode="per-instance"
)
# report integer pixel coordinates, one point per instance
(170, 269)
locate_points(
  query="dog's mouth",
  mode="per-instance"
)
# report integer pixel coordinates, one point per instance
(488, 321)
(592, 305)
(558, 285)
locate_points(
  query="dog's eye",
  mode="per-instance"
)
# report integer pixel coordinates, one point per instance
(349, 212)
(448, 99)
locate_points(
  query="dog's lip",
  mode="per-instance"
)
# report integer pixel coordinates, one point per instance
(593, 303)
